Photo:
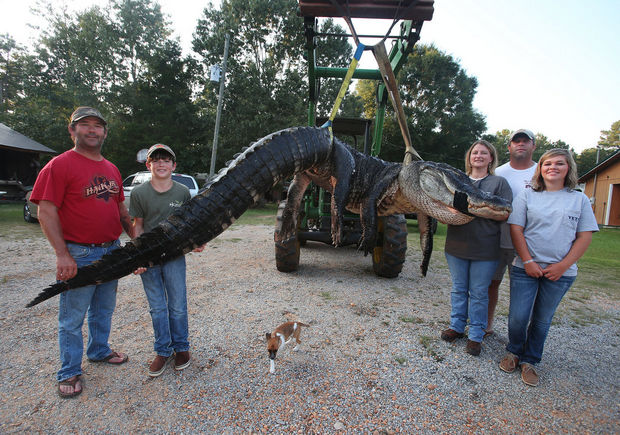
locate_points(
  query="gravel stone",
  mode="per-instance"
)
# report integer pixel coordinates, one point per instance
(371, 361)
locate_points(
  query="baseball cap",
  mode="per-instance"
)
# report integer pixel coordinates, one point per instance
(84, 112)
(524, 131)
(160, 147)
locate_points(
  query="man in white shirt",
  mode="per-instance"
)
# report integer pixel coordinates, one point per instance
(518, 172)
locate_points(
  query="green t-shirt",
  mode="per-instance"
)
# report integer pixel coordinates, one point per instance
(154, 206)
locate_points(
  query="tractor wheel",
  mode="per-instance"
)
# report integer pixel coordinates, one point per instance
(388, 256)
(287, 252)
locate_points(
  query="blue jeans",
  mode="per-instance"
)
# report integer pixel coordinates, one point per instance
(99, 302)
(533, 302)
(165, 290)
(470, 296)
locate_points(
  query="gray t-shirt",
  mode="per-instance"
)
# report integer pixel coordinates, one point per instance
(154, 206)
(518, 179)
(479, 239)
(551, 221)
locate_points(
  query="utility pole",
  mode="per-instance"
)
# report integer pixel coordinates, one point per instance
(219, 108)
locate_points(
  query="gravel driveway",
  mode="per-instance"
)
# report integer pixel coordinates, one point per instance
(371, 362)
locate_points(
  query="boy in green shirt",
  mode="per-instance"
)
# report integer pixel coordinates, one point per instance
(164, 284)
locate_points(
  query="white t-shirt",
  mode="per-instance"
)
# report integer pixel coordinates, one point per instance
(551, 221)
(519, 180)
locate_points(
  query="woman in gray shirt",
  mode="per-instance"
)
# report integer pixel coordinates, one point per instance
(472, 253)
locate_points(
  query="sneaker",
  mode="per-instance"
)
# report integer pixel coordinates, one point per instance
(158, 365)
(529, 375)
(473, 347)
(509, 363)
(450, 335)
(181, 360)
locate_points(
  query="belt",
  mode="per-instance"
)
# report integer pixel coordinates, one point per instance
(93, 245)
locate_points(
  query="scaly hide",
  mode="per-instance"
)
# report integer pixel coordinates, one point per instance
(363, 183)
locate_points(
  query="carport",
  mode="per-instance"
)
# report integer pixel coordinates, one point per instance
(19, 161)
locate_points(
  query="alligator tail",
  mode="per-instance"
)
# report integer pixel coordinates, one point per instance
(222, 201)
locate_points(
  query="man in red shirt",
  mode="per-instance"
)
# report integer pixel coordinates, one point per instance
(82, 214)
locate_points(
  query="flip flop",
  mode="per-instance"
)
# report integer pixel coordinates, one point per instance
(70, 382)
(108, 359)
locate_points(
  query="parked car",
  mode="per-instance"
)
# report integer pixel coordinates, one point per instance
(31, 210)
(12, 190)
(141, 177)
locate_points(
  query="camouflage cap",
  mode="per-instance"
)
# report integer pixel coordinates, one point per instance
(160, 147)
(84, 112)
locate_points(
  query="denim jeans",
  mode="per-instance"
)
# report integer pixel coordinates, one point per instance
(99, 302)
(470, 296)
(533, 302)
(166, 292)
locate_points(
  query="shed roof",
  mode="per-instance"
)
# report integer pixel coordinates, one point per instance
(604, 164)
(11, 139)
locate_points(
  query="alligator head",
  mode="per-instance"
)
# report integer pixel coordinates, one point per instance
(448, 194)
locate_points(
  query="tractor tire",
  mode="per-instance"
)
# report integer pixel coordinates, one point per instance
(388, 256)
(287, 251)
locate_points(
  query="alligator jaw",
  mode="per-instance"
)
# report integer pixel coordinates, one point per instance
(451, 189)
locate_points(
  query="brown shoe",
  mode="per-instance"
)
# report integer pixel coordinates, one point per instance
(509, 363)
(450, 335)
(529, 375)
(158, 365)
(473, 348)
(181, 360)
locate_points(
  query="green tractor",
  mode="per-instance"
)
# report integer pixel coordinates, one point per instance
(314, 222)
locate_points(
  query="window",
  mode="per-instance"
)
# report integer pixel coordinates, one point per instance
(184, 180)
(127, 181)
(141, 178)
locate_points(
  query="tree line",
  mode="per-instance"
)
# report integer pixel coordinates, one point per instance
(123, 60)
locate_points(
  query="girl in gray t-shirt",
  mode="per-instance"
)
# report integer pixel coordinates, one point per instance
(551, 227)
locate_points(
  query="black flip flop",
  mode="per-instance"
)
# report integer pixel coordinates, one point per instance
(71, 383)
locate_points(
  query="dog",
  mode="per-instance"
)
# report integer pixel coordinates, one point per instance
(281, 336)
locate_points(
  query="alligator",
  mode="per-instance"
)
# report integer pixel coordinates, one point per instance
(360, 183)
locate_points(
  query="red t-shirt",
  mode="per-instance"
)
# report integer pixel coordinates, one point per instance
(86, 193)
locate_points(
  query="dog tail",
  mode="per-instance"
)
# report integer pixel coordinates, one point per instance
(302, 324)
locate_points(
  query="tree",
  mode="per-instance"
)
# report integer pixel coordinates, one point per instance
(121, 61)
(9, 52)
(500, 141)
(611, 138)
(437, 97)
(266, 87)
(334, 52)
(543, 145)
(366, 90)
(588, 158)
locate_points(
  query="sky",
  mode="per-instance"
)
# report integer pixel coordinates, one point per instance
(546, 65)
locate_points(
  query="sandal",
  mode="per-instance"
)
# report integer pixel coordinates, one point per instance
(71, 382)
(108, 359)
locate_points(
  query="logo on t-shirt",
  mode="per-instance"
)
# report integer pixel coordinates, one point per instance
(101, 188)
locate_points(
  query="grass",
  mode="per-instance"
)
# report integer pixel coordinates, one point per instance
(12, 224)
(264, 215)
(401, 360)
(407, 319)
(427, 342)
(599, 268)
